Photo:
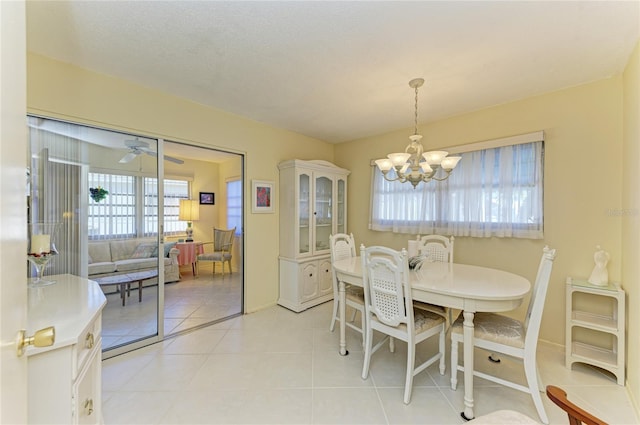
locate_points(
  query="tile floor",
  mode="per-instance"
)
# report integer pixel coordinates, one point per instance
(193, 301)
(278, 367)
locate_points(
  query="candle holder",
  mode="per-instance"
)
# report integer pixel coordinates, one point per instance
(41, 250)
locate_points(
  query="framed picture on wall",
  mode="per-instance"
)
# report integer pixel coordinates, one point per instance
(207, 198)
(262, 196)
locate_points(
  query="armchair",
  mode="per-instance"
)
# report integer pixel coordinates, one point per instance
(217, 251)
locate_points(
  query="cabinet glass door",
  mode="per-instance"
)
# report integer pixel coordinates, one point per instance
(304, 211)
(323, 212)
(341, 213)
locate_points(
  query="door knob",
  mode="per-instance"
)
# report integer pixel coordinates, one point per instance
(42, 338)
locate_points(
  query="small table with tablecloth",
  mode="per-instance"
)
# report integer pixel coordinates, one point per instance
(188, 253)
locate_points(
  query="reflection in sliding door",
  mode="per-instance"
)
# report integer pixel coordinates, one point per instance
(112, 194)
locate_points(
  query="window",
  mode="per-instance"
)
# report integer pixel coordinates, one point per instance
(492, 192)
(234, 205)
(131, 207)
(115, 215)
(174, 190)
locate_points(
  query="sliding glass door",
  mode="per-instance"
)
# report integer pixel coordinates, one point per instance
(116, 201)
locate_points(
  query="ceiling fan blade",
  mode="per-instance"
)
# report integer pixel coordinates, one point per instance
(166, 157)
(128, 157)
(172, 159)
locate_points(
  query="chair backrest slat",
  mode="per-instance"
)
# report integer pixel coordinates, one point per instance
(538, 295)
(223, 239)
(437, 248)
(387, 292)
(342, 246)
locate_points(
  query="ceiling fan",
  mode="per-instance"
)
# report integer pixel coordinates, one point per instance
(137, 147)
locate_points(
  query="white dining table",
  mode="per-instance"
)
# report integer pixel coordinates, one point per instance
(465, 287)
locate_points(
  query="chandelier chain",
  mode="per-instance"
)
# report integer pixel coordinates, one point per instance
(415, 129)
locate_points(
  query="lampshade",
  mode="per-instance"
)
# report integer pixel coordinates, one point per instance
(189, 210)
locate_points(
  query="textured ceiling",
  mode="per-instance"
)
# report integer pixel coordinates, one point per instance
(338, 71)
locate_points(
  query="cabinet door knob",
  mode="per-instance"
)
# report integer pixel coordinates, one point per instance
(89, 341)
(88, 406)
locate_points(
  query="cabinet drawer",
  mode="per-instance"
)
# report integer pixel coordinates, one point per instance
(89, 339)
(86, 392)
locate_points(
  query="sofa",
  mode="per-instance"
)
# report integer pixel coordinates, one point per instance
(113, 257)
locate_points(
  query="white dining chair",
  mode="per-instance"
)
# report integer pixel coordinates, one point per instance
(389, 310)
(437, 249)
(502, 334)
(343, 246)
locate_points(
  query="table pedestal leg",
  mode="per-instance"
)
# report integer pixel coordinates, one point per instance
(468, 365)
(342, 312)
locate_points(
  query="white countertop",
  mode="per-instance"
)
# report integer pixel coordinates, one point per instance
(69, 305)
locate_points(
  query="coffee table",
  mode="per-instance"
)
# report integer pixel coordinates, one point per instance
(125, 280)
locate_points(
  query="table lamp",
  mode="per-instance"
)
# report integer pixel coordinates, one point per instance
(189, 212)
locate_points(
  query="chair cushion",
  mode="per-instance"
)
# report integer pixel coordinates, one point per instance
(354, 293)
(425, 320)
(495, 327)
(215, 256)
(438, 309)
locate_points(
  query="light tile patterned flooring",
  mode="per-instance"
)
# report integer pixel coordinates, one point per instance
(278, 367)
(193, 301)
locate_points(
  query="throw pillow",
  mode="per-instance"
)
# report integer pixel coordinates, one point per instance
(144, 250)
(167, 248)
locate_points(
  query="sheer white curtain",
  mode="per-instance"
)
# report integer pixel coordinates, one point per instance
(493, 192)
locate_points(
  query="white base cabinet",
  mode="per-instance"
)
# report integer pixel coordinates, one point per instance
(609, 357)
(305, 283)
(65, 383)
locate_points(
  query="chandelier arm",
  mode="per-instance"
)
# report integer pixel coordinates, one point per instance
(398, 177)
(442, 178)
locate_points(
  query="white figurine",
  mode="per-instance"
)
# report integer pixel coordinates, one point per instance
(599, 275)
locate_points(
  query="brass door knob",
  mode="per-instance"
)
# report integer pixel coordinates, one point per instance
(42, 338)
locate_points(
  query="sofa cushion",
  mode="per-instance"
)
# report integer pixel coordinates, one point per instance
(167, 247)
(123, 249)
(102, 267)
(99, 252)
(144, 250)
(136, 264)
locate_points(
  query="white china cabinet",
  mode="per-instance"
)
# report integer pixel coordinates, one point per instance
(65, 378)
(313, 205)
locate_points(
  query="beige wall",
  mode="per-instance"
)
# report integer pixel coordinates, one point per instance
(58, 90)
(585, 189)
(583, 151)
(631, 219)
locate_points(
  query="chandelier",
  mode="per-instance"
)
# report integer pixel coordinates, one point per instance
(414, 165)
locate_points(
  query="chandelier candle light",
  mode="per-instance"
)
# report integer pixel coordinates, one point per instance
(414, 165)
